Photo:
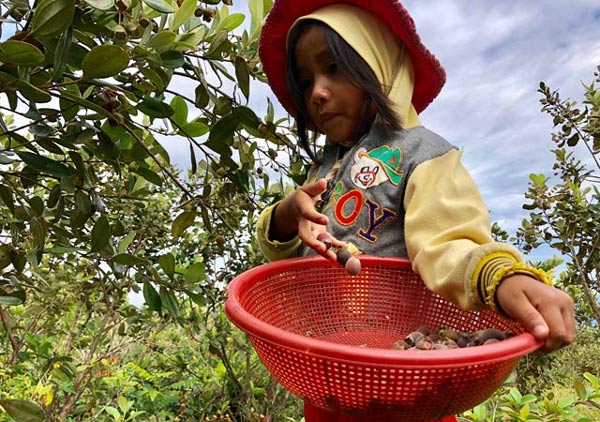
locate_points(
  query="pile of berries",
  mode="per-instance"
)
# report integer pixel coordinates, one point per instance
(446, 338)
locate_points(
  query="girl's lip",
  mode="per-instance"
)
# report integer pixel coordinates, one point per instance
(326, 116)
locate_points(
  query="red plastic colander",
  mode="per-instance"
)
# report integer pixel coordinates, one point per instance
(326, 336)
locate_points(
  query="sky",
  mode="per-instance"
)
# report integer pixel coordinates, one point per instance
(495, 54)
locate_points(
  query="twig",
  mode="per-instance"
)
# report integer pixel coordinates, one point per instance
(11, 337)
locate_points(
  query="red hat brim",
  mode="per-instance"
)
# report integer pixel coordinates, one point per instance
(429, 73)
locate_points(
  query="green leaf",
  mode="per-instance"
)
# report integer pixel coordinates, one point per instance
(23, 410)
(113, 412)
(573, 140)
(206, 220)
(172, 59)
(5, 256)
(104, 61)
(6, 194)
(224, 128)
(82, 200)
(180, 110)
(202, 98)
(566, 402)
(152, 297)
(160, 6)
(39, 231)
(256, 14)
(538, 180)
(246, 116)
(124, 404)
(61, 55)
(20, 53)
(155, 108)
(168, 299)
(10, 301)
(150, 175)
(185, 11)
(194, 129)
(193, 160)
(69, 97)
(220, 148)
(217, 41)
(167, 263)
(196, 273)
(32, 92)
(154, 78)
(182, 222)
(43, 164)
(198, 298)
(52, 17)
(162, 41)
(231, 22)
(126, 241)
(524, 412)
(100, 234)
(191, 38)
(6, 79)
(128, 259)
(101, 4)
(593, 379)
(580, 390)
(242, 75)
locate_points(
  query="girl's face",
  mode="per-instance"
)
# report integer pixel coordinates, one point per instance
(332, 101)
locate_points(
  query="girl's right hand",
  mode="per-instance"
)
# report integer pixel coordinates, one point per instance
(297, 214)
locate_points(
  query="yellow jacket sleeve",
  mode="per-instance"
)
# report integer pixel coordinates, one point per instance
(273, 250)
(448, 235)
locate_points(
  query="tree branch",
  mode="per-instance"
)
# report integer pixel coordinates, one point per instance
(11, 337)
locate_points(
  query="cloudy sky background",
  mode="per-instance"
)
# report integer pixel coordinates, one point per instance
(495, 54)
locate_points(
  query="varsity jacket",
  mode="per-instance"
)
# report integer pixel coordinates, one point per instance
(407, 194)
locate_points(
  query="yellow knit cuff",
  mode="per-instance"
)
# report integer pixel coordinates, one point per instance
(481, 272)
(273, 250)
(505, 272)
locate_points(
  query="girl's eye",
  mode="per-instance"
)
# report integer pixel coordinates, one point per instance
(305, 84)
(332, 68)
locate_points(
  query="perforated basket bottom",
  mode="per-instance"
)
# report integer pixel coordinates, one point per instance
(384, 392)
(370, 311)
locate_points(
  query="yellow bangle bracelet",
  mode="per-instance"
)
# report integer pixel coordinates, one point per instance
(475, 281)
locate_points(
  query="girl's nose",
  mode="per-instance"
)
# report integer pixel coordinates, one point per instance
(320, 92)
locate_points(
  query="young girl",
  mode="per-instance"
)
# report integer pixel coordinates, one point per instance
(357, 72)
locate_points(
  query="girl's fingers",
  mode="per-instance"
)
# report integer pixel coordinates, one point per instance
(315, 189)
(337, 244)
(544, 311)
(307, 233)
(556, 308)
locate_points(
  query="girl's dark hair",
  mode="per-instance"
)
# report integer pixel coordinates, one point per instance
(358, 72)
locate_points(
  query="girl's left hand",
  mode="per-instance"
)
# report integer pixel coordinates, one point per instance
(544, 311)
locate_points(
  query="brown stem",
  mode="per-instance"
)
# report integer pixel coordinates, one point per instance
(80, 377)
(158, 163)
(223, 356)
(590, 296)
(71, 335)
(13, 341)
